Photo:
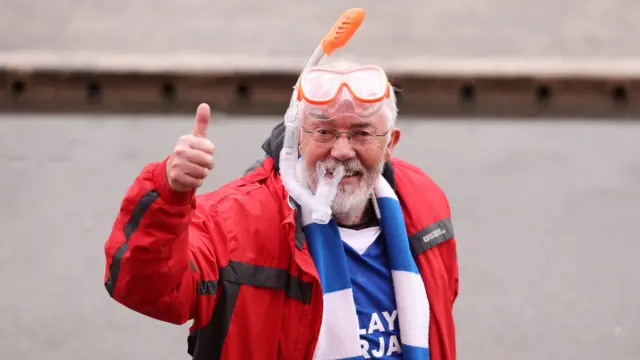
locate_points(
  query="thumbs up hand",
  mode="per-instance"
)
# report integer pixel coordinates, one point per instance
(192, 157)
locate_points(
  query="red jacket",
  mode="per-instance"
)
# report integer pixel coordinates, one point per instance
(235, 261)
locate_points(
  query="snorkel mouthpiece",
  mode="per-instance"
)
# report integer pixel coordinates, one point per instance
(325, 192)
(327, 187)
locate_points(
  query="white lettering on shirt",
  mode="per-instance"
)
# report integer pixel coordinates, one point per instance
(390, 318)
(371, 351)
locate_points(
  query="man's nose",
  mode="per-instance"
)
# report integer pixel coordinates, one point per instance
(342, 149)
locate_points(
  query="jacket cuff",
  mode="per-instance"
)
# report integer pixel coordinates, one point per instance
(161, 184)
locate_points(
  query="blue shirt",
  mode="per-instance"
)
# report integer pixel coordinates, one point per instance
(373, 293)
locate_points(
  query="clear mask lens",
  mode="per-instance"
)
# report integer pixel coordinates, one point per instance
(342, 107)
(367, 84)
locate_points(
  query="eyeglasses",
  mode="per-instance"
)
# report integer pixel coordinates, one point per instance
(361, 138)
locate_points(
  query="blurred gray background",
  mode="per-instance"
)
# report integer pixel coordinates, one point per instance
(545, 210)
(567, 28)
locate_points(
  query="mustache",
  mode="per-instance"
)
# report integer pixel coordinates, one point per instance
(351, 166)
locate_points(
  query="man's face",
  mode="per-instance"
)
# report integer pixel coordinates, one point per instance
(362, 162)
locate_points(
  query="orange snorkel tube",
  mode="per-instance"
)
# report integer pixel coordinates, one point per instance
(320, 202)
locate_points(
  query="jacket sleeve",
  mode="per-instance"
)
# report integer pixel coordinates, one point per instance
(159, 253)
(449, 254)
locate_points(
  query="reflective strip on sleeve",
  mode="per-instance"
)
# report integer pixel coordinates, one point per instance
(129, 228)
(432, 235)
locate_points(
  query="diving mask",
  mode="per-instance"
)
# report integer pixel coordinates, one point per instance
(328, 92)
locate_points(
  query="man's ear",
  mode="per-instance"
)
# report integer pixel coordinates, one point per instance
(393, 141)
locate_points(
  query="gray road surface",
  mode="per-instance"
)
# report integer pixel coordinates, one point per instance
(546, 215)
(571, 28)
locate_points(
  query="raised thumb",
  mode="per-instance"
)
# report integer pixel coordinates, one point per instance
(203, 117)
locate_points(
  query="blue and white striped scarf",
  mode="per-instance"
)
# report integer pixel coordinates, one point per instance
(339, 337)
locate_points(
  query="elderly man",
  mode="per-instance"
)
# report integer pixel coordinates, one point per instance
(257, 280)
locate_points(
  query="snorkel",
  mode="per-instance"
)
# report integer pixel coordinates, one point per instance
(320, 202)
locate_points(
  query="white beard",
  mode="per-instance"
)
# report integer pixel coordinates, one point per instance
(351, 199)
